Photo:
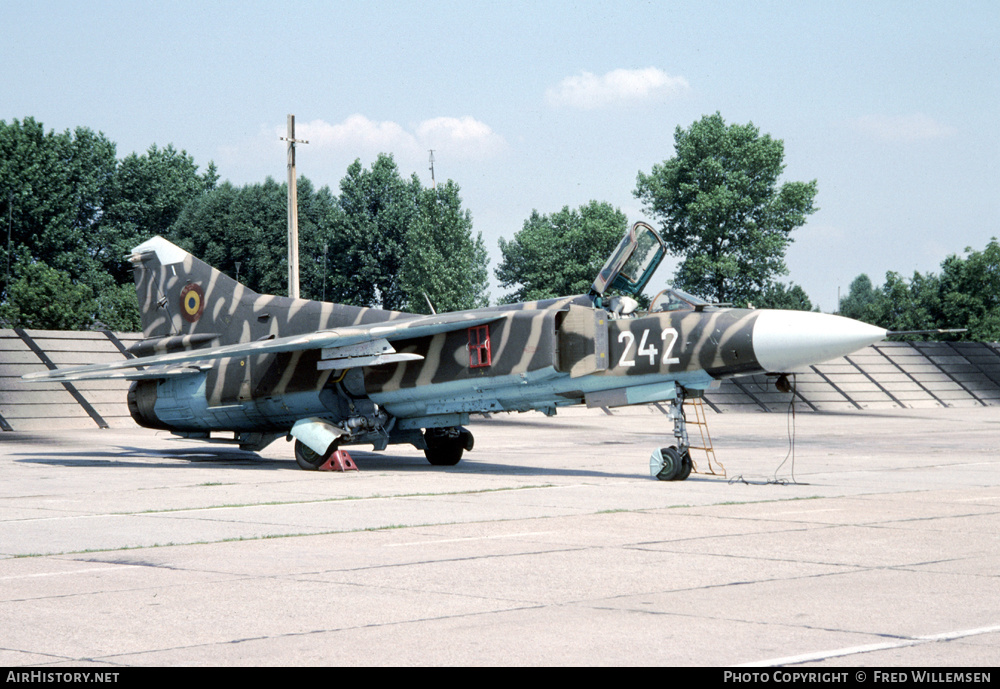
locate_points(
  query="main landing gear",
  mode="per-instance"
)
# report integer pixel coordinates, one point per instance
(443, 447)
(673, 463)
(446, 445)
(309, 459)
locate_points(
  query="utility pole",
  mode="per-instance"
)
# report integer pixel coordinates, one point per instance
(433, 183)
(325, 248)
(10, 216)
(293, 212)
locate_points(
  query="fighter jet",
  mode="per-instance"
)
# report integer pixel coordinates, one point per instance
(222, 363)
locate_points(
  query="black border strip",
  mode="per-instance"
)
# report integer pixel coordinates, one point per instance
(80, 399)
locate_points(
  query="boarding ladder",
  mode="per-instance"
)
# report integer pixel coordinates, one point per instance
(694, 404)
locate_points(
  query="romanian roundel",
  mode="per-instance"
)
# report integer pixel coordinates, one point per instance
(192, 302)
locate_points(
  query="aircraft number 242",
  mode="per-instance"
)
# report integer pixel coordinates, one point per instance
(668, 336)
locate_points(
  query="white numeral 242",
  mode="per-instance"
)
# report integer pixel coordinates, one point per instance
(668, 337)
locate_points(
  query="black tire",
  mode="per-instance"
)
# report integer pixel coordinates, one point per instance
(443, 448)
(686, 466)
(309, 459)
(672, 464)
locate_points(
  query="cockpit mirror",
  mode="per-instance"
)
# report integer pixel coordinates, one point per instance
(633, 263)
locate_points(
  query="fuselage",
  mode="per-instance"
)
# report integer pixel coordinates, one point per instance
(218, 356)
(537, 355)
(531, 356)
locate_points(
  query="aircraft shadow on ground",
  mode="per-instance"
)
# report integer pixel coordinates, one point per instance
(471, 465)
(231, 458)
(183, 457)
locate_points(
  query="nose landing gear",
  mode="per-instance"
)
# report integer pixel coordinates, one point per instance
(673, 463)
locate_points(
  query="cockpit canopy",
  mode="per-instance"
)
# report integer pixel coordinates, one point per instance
(633, 263)
(672, 299)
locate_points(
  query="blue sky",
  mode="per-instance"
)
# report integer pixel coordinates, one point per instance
(891, 106)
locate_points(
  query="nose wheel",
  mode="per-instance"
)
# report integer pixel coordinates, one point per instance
(670, 464)
(673, 463)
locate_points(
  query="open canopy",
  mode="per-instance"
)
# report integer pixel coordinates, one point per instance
(633, 263)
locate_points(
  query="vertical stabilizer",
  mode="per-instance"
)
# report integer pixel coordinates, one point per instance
(181, 295)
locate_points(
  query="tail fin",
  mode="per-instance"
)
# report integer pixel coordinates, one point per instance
(180, 295)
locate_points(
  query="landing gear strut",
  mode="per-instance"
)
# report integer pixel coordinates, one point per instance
(673, 463)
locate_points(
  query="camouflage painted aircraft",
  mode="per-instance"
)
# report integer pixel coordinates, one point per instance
(218, 358)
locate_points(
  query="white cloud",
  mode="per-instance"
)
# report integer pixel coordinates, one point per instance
(356, 131)
(917, 127)
(458, 137)
(620, 86)
(463, 137)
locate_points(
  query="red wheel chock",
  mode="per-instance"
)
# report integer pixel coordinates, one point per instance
(339, 461)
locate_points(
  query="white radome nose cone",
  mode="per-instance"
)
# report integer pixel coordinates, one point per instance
(786, 341)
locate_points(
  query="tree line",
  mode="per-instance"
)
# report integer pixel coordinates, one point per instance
(966, 294)
(74, 210)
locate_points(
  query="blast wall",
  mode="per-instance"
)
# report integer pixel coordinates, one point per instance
(887, 375)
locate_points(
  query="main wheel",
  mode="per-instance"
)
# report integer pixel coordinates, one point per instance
(446, 445)
(309, 459)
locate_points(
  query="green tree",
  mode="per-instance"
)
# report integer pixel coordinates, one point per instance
(146, 196)
(899, 304)
(860, 301)
(378, 206)
(249, 224)
(779, 296)
(908, 304)
(118, 309)
(259, 227)
(75, 208)
(44, 298)
(52, 187)
(320, 218)
(970, 293)
(442, 260)
(721, 208)
(965, 295)
(559, 254)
